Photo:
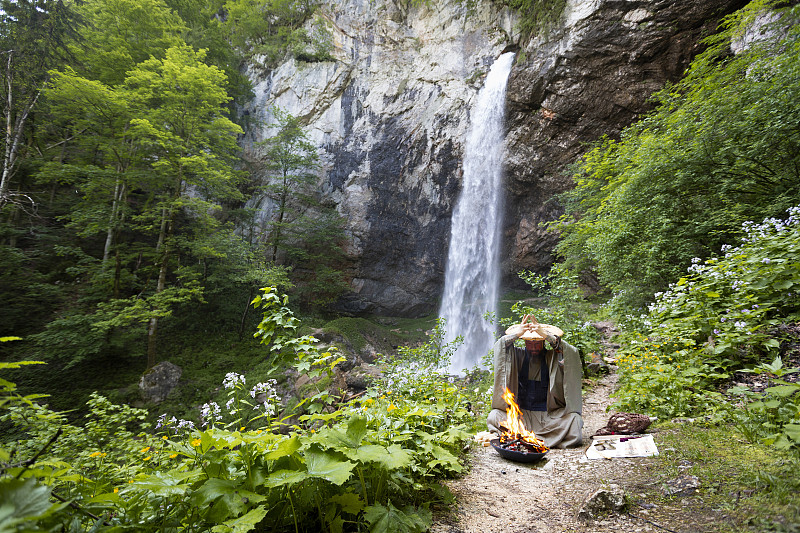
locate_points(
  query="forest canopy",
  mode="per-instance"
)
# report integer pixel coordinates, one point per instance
(123, 182)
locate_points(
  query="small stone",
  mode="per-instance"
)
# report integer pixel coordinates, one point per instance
(683, 485)
(602, 502)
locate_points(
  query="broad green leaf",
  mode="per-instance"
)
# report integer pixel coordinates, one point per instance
(367, 453)
(165, 484)
(284, 477)
(324, 465)
(393, 458)
(349, 502)
(105, 497)
(244, 523)
(27, 499)
(226, 497)
(783, 391)
(215, 488)
(390, 519)
(792, 431)
(783, 284)
(284, 448)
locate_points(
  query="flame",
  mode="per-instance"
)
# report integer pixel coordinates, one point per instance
(515, 428)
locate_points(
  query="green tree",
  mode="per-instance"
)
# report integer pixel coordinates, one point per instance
(105, 162)
(300, 231)
(722, 147)
(289, 165)
(120, 34)
(206, 30)
(269, 30)
(190, 145)
(34, 37)
(154, 160)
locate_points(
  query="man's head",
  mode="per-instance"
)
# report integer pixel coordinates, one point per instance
(534, 346)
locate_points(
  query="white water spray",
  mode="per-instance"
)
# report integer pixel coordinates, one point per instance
(472, 277)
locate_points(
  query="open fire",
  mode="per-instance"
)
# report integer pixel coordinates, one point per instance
(514, 436)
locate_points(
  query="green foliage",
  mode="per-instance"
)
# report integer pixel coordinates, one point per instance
(416, 372)
(563, 305)
(269, 30)
(715, 320)
(22, 289)
(721, 148)
(371, 464)
(433, 354)
(34, 37)
(299, 231)
(120, 34)
(772, 417)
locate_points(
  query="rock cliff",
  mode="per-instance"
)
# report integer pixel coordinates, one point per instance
(390, 113)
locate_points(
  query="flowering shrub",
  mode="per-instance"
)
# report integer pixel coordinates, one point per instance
(712, 321)
(417, 374)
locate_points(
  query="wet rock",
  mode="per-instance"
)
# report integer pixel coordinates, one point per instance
(360, 377)
(602, 502)
(156, 384)
(683, 485)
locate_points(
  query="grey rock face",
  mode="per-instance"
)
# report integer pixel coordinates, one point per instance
(156, 384)
(591, 77)
(389, 117)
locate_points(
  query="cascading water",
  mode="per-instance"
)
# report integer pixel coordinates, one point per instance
(472, 276)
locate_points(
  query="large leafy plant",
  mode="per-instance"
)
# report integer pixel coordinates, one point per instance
(372, 463)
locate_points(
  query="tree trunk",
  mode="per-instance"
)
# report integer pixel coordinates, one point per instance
(281, 211)
(119, 190)
(152, 327)
(244, 314)
(13, 133)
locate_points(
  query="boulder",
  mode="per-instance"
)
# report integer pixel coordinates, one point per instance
(360, 377)
(156, 384)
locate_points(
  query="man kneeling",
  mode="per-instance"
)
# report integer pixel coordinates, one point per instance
(546, 383)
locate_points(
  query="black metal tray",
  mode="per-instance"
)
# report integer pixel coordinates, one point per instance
(513, 455)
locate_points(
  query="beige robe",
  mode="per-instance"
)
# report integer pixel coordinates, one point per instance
(561, 425)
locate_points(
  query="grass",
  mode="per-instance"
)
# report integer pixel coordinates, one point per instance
(743, 486)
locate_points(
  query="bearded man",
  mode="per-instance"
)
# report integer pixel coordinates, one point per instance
(545, 383)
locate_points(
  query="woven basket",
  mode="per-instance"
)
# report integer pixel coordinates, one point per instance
(625, 424)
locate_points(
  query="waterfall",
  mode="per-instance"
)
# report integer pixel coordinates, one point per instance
(472, 276)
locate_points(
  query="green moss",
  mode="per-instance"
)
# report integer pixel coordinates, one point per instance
(358, 332)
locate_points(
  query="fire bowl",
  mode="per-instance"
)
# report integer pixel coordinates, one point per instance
(513, 455)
